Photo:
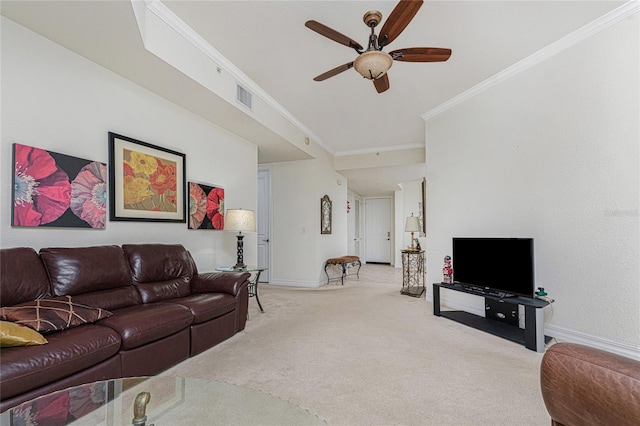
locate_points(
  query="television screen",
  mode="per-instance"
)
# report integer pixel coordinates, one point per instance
(504, 264)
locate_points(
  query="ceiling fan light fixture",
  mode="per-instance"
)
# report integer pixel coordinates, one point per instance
(373, 64)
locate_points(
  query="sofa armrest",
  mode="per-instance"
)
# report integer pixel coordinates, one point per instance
(584, 385)
(220, 282)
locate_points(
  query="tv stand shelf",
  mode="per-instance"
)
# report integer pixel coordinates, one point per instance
(532, 337)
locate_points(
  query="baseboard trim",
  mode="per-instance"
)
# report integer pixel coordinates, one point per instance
(562, 334)
(565, 334)
(295, 283)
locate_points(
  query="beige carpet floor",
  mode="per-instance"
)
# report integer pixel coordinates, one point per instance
(364, 354)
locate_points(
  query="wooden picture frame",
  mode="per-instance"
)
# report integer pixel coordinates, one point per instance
(325, 215)
(423, 215)
(147, 183)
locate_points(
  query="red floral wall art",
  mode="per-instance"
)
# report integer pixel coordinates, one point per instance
(206, 206)
(52, 189)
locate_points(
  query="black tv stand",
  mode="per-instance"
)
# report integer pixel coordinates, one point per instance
(532, 337)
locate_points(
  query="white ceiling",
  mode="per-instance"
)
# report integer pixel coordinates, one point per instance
(267, 41)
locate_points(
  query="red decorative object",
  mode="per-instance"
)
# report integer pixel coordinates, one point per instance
(348, 206)
(447, 270)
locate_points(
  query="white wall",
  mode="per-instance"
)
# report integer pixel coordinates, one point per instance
(407, 201)
(411, 204)
(552, 153)
(56, 100)
(298, 248)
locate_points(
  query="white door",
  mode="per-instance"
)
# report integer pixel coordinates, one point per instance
(377, 231)
(354, 226)
(351, 226)
(263, 223)
(357, 215)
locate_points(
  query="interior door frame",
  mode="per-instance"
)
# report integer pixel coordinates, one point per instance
(363, 207)
(265, 276)
(355, 220)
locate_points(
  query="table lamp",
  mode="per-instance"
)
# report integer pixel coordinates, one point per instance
(240, 220)
(412, 225)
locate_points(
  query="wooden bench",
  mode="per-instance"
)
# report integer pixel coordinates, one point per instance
(344, 262)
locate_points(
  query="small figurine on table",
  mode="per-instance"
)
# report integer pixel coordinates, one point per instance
(447, 270)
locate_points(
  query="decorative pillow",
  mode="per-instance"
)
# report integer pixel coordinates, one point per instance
(58, 313)
(17, 335)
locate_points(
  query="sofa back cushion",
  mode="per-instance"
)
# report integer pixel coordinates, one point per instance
(160, 271)
(22, 276)
(96, 276)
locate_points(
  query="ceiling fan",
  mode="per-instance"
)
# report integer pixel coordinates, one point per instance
(373, 63)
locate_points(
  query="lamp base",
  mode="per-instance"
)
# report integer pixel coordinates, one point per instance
(240, 260)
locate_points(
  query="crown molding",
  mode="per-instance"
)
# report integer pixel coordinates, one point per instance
(180, 27)
(605, 21)
(380, 149)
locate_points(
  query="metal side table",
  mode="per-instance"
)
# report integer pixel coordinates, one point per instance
(253, 281)
(413, 272)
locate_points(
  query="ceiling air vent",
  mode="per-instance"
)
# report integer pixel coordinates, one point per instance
(244, 97)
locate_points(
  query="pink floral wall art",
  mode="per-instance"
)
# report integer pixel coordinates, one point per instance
(206, 206)
(52, 189)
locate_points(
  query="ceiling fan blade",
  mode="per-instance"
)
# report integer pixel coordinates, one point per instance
(332, 34)
(335, 71)
(382, 83)
(398, 20)
(421, 54)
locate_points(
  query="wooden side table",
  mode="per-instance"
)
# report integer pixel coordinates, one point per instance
(413, 272)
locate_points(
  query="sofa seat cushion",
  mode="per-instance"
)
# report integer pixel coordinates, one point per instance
(205, 307)
(142, 324)
(67, 352)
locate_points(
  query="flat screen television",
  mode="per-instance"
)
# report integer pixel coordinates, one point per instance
(503, 264)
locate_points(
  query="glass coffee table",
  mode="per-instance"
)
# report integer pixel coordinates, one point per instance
(158, 401)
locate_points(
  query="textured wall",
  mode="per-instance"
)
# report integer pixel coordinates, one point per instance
(299, 250)
(552, 153)
(59, 101)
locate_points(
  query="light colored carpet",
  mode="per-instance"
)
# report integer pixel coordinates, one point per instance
(364, 354)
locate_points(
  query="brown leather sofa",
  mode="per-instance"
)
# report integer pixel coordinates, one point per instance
(163, 312)
(587, 386)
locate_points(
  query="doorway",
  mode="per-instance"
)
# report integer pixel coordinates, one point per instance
(378, 226)
(263, 222)
(354, 226)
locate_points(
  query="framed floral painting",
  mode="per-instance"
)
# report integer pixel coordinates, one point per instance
(146, 182)
(58, 190)
(206, 206)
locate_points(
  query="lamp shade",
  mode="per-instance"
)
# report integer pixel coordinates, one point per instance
(239, 220)
(373, 64)
(412, 224)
